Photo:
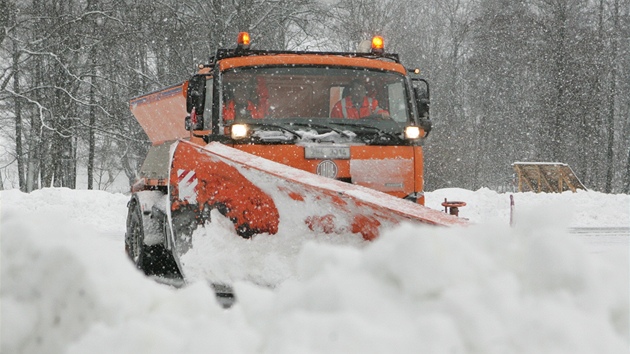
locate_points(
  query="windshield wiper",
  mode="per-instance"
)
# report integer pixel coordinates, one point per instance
(311, 125)
(361, 126)
(265, 125)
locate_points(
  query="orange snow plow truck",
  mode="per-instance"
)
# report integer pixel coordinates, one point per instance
(324, 142)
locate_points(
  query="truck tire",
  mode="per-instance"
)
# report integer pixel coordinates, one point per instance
(134, 239)
(153, 260)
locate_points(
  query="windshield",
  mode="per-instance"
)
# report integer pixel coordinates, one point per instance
(278, 94)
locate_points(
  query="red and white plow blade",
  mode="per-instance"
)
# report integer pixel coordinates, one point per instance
(254, 192)
(265, 198)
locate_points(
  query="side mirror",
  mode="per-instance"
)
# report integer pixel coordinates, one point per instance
(196, 93)
(423, 105)
(195, 102)
(421, 95)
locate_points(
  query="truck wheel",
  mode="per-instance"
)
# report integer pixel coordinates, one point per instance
(153, 260)
(158, 259)
(134, 240)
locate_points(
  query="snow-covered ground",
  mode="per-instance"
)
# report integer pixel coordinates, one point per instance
(67, 286)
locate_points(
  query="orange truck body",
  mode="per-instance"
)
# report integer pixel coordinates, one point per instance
(393, 169)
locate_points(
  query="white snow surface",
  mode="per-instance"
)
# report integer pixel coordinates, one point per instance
(67, 285)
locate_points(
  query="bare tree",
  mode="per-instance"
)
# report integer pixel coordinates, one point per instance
(527, 80)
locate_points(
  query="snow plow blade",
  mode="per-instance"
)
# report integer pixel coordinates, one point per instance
(261, 197)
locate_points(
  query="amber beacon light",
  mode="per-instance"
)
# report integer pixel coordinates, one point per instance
(377, 45)
(243, 40)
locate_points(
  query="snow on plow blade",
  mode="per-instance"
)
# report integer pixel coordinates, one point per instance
(260, 196)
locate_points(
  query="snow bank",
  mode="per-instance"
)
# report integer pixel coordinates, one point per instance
(486, 289)
(221, 256)
(583, 208)
(68, 287)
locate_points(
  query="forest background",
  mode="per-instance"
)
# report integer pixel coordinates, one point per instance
(525, 80)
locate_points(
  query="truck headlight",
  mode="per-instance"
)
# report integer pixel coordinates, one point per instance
(239, 131)
(412, 132)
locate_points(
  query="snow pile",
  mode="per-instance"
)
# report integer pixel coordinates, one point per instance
(480, 290)
(221, 256)
(583, 208)
(67, 286)
(64, 280)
